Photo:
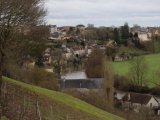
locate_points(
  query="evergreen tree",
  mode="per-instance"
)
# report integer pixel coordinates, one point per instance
(116, 35)
(125, 34)
(39, 61)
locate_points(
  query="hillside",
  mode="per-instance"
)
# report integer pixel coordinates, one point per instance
(67, 100)
(153, 64)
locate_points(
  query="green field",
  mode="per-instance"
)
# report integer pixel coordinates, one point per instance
(67, 100)
(153, 64)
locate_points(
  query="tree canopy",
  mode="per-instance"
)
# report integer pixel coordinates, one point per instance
(94, 65)
(16, 19)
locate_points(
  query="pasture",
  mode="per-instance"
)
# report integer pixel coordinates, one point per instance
(153, 66)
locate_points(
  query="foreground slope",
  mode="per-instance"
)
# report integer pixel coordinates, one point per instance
(67, 100)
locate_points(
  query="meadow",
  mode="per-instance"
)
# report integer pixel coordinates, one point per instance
(153, 66)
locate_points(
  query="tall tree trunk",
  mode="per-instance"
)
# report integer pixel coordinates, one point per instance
(1, 63)
(108, 83)
(1, 70)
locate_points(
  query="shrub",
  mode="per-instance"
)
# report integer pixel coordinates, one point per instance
(122, 83)
(36, 76)
(155, 91)
(3, 118)
(42, 78)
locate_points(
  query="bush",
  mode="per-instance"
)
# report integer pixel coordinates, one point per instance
(122, 83)
(3, 118)
(91, 97)
(155, 91)
(36, 76)
(138, 89)
(42, 78)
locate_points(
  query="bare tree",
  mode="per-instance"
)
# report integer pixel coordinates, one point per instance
(138, 71)
(155, 77)
(15, 15)
(94, 64)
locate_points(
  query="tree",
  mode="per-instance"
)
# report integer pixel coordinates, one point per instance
(138, 71)
(30, 46)
(131, 35)
(136, 35)
(78, 32)
(108, 83)
(57, 53)
(116, 35)
(16, 15)
(94, 64)
(102, 34)
(111, 51)
(125, 33)
(155, 78)
(39, 61)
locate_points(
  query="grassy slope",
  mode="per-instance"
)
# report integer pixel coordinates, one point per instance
(153, 63)
(68, 100)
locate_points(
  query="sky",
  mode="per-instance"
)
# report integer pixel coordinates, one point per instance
(103, 12)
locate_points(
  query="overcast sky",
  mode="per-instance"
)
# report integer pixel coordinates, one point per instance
(103, 12)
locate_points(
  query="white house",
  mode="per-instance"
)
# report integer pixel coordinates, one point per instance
(80, 52)
(136, 100)
(53, 29)
(68, 56)
(144, 37)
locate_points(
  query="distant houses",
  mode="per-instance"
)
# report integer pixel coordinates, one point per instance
(61, 33)
(144, 37)
(81, 27)
(53, 29)
(122, 57)
(145, 34)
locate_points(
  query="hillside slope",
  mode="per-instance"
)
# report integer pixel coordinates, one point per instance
(67, 100)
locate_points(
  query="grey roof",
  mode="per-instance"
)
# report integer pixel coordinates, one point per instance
(75, 76)
(79, 80)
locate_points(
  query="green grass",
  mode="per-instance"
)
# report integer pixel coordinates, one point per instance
(67, 100)
(153, 65)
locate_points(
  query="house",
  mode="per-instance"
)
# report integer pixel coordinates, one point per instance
(68, 56)
(145, 37)
(54, 36)
(122, 57)
(118, 95)
(47, 56)
(79, 80)
(117, 58)
(67, 28)
(136, 101)
(81, 83)
(111, 43)
(80, 27)
(53, 29)
(80, 52)
(90, 25)
(156, 32)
